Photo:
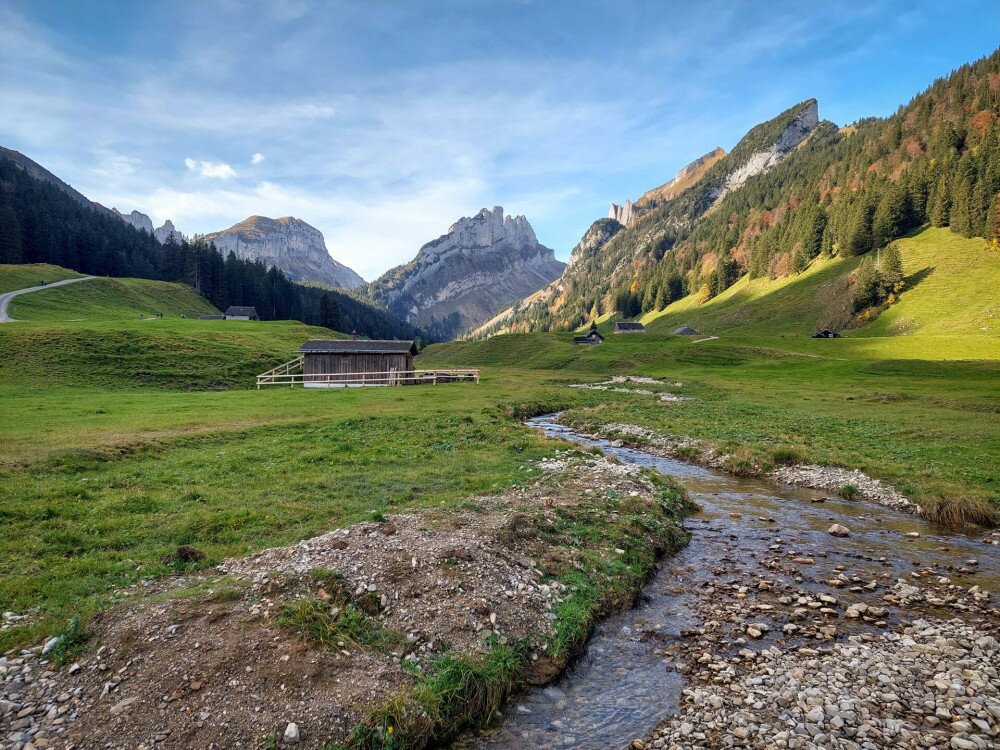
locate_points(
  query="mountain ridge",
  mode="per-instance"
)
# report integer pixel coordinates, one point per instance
(287, 243)
(464, 277)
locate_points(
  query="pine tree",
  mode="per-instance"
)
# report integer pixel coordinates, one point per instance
(866, 283)
(11, 246)
(889, 220)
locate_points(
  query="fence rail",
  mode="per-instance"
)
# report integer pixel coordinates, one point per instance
(282, 375)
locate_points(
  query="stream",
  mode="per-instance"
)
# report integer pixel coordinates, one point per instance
(625, 683)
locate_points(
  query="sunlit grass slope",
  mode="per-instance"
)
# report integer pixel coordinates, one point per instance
(110, 299)
(14, 277)
(951, 289)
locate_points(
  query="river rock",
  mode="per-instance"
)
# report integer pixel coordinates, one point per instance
(838, 530)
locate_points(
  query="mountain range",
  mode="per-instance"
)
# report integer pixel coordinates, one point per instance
(794, 188)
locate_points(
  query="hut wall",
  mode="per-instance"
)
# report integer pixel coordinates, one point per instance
(342, 367)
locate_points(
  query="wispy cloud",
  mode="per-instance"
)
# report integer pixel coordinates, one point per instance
(382, 139)
(211, 169)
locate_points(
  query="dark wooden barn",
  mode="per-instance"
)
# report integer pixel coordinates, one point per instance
(328, 362)
(626, 327)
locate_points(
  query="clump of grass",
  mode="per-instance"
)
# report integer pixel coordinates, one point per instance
(786, 455)
(688, 452)
(960, 512)
(456, 693)
(70, 642)
(742, 463)
(338, 627)
(849, 491)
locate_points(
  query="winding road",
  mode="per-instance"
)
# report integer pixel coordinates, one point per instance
(6, 298)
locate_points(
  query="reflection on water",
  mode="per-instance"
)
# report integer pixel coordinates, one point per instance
(623, 686)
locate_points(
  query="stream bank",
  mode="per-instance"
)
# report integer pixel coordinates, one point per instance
(733, 641)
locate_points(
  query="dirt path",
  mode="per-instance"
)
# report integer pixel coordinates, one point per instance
(6, 298)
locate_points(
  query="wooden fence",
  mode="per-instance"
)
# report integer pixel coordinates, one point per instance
(285, 375)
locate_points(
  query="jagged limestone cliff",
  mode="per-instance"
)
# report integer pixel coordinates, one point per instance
(463, 278)
(142, 222)
(291, 245)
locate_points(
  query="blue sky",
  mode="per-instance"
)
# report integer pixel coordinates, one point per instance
(381, 123)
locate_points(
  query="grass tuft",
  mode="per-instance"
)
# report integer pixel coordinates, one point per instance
(338, 627)
(71, 642)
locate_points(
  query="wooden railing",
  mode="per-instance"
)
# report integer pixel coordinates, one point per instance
(268, 378)
(356, 379)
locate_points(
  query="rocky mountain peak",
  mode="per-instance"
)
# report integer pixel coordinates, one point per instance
(465, 276)
(289, 244)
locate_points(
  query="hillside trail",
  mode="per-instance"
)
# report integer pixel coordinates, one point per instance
(763, 575)
(7, 297)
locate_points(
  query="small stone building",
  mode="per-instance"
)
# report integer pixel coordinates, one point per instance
(685, 331)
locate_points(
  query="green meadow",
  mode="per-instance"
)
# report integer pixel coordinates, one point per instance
(123, 437)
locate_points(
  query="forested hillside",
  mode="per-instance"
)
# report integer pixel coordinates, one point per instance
(41, 223)
(842, 192)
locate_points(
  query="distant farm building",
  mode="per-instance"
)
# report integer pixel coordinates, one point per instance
(685, 331)
(211, 317)
(339, 363)
(235, 312)
(826, 333)
(592, 337)
(629, 328)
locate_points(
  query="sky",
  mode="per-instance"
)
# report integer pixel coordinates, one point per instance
(381, 123)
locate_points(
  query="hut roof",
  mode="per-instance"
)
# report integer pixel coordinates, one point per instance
(625, 326)
(357, 346)
(211, 317)
(237, 310)
(685, 331)
(589, 338)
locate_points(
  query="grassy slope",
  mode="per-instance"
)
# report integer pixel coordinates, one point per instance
(110, 299)
(951, 290)
(102, 475)
(168, 352)
(14, 277)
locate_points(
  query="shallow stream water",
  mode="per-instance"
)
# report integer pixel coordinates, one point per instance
(623, 686)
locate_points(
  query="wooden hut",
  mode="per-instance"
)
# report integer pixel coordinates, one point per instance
(626, 327)
(826, 333)
(592, 337)
(331, 362)
(685, 331)
(237, 312)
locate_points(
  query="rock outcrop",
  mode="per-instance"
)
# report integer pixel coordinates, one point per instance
(143, 223)
(289, 244)
(622, 214)
(598, 235)
(463, 278)
(137, 219)
(761, 161)
(167, 231)
(685, 178)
